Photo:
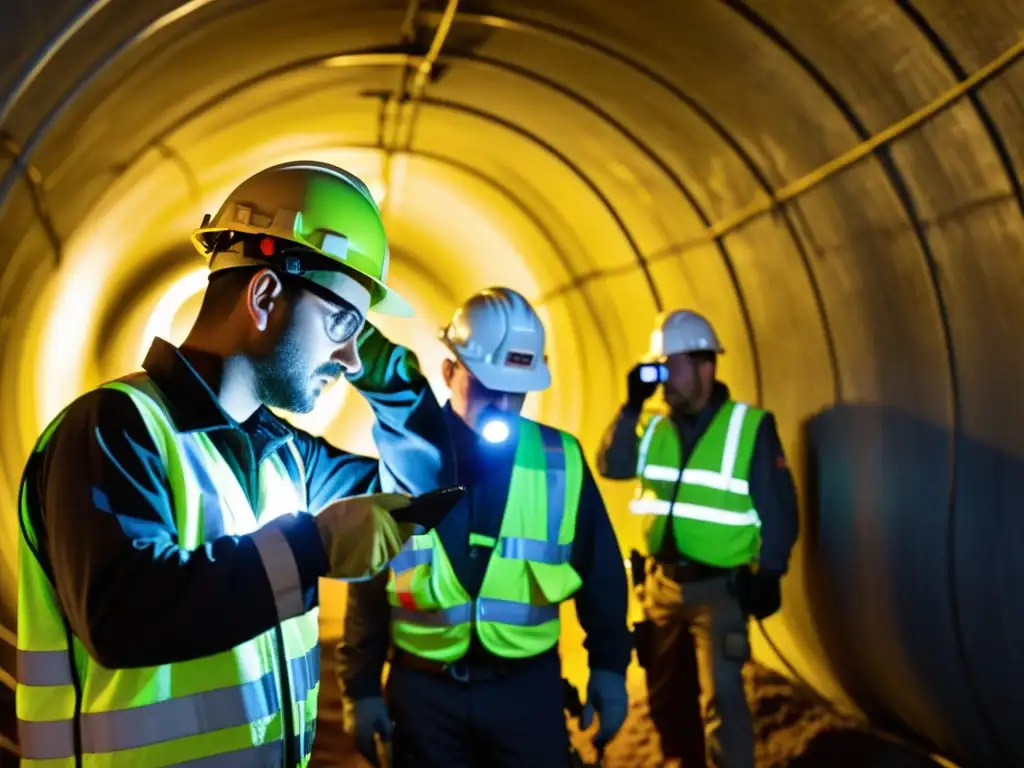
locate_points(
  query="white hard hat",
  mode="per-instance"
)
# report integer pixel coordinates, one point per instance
(498, 336)
(682, 331)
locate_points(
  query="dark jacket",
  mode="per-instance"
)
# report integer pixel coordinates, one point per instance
(771, 483)
(99, 500)
(486, 471)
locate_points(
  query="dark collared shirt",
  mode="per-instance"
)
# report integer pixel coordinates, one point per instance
(99, 500)
(771, 482)
(486, 471)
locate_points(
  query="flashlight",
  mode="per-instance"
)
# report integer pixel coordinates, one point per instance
(652, 373)
(494, 426)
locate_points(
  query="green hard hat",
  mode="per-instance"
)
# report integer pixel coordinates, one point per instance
(318, 206)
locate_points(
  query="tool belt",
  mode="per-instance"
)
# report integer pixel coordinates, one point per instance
(683, 573)
(468, 669)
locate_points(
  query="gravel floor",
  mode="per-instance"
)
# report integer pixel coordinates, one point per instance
(794, 730)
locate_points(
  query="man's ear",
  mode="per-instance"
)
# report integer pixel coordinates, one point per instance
(263, 295)
(447, 371)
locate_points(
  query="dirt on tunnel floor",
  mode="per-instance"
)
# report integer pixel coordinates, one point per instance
(794, 729)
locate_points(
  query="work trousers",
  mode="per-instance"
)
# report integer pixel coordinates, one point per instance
(512, 721)
(707, 609)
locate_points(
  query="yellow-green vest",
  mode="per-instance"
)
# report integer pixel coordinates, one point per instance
(714, 520)
(225, 709)
(528, 575)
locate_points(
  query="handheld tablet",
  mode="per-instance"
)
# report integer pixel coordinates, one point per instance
(430, 509)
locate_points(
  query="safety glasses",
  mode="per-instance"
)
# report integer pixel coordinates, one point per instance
(344, 322)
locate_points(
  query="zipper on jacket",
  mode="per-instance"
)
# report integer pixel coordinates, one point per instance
(252, 490)
(290, 758)
(76, 682)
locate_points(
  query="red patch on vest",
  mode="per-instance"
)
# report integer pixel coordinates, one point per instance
(407, 601)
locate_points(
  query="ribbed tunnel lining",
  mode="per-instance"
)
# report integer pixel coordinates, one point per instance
(781, 199)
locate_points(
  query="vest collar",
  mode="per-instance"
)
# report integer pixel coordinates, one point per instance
(698, 423)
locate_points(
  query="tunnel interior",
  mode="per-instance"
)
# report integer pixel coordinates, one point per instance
(837, 186)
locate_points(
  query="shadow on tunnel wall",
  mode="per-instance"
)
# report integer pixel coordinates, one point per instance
(912, 578)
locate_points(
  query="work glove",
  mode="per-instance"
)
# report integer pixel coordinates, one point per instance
(759, 592)
(638, 391)
(372, 719)
(606, 695)
(359, 534)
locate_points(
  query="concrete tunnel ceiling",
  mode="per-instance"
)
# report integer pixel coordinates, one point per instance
(837, 187)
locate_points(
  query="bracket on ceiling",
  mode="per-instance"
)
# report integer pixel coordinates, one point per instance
(36, 190)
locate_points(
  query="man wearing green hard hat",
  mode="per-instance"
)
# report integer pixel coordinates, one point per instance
(174, 529)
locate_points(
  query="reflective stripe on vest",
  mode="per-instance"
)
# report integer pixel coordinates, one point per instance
(224, 709)
(714, 519)
(154, 723)
(517, 611)
(694, 512)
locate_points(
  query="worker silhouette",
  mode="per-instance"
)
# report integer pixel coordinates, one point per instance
(469, 612)
(173, 529)
(718, 509)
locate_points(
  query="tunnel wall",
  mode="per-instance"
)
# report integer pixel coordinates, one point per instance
(875, 311)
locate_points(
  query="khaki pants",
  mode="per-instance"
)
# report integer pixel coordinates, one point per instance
(719, 627)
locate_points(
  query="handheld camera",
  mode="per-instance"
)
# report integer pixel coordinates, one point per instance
(653, 372)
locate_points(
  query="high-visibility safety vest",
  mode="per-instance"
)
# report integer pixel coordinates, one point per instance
(221, 710)
(713, 517)
(516, 614)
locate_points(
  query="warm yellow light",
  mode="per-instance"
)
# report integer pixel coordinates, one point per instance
(64, 356)
(161, 319)
(379, 190)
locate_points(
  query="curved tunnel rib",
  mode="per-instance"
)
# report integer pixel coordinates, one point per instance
(34, 184)
(40, 129)
(173, 16)
(47, 53)
(22, 163)
(514, 200)
(357, 59)
(387, 59)
(564, 36)
(949, 364)
(362, 60)
(562, 158)
(658, 161)
(957, 70)
(174, 156)
(343, 59)
(902, 191)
